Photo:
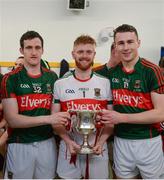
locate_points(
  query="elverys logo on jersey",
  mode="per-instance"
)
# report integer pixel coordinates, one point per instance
(133, 99)
(34, 101)
(84, 104)
(73, 106)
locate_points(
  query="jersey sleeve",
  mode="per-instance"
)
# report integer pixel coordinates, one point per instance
(56, 93)
(157, 81)
(109, 93)
(8, 87)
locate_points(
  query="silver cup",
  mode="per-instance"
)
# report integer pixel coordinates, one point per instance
(84, 123)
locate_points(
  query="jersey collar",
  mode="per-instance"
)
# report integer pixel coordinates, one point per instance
(82, 80)
(137, 67)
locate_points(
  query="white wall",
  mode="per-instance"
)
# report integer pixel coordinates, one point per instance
(59, 27)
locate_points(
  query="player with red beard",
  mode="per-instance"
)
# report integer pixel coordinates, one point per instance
(82, 89)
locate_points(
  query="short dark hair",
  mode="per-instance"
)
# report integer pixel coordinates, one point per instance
(84, 39)
(30, 35)
(125, 28)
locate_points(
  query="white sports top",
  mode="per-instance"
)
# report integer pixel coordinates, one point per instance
(75, 94)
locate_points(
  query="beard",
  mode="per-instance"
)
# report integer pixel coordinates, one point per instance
(82, 66)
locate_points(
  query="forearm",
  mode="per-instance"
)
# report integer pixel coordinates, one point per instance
(147, 117)
(62, 132)
(22, 121)
(16, 120)
(106, 132)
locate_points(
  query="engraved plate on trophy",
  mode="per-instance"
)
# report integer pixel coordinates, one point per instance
(85, 125)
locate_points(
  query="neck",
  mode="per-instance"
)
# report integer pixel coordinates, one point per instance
(111, 63)
(33, 70)
(83, 75)
(129, 66)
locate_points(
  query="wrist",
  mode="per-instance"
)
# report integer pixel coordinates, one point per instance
(47, 119)
(125, 118)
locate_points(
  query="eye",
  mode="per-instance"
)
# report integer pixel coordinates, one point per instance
(130, 41)
(38, 47)
(80, 52)
(28, 47)
(89, 52)
(120, 43)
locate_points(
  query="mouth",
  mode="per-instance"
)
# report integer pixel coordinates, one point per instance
(33, 57)
(126, 54)
(84, 60)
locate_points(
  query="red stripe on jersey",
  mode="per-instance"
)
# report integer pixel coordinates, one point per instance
(83, 104)
(4, 82)
(158, 73)
(134, 99)
(33, 101)
(4, 93)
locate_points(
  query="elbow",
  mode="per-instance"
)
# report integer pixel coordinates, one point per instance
(10, 122)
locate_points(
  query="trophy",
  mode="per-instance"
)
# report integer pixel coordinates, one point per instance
(84, 123)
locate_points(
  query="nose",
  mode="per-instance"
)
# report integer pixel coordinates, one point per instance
(126, 46)
(85, 54)
(33, 51)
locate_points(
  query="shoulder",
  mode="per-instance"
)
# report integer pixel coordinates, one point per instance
(101, 79)
(50, 72)
(152, 71)
(149, 66)
(99, 68)
(100, 76)
(68, 75)
(12, 74)
(103, 70)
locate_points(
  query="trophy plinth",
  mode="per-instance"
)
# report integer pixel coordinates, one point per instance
(85, 125)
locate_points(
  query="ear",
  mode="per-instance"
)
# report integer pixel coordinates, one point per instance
(73, 54)
(21, 51)
(139, 43)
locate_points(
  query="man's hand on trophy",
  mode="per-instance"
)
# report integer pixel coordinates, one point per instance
(60, 118)
(98, 148)
(73, 147)
(111, 117)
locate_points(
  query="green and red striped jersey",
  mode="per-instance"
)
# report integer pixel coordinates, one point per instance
(34, 96)
(131, 94)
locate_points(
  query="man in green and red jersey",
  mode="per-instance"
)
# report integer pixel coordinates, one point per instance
(138, 100)
(27, 94)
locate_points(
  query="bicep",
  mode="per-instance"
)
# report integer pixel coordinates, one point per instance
(157, 100)
(10, 107)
